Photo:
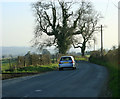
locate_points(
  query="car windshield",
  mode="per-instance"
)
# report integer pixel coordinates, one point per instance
(65, 58)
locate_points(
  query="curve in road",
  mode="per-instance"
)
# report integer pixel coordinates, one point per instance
(88, 80)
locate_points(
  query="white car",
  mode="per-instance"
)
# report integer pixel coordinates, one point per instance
(67, 62)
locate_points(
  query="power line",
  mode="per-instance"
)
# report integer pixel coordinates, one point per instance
(115, 5)
(102, 29)
(107, 7)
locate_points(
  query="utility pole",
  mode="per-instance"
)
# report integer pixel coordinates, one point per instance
(101, 27)
(101, 41)
(94, 43)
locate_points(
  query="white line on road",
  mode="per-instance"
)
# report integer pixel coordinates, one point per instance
(38, 90)
(26, 96)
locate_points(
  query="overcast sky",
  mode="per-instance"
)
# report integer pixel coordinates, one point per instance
(18, 22)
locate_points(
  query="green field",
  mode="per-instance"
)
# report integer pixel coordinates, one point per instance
(10, 69)
(42, 68)
(35, 69)
(85, 58)
(27, 71)
(6, 65)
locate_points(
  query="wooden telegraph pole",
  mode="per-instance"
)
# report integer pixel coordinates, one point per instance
(101, 41)
(101, 27)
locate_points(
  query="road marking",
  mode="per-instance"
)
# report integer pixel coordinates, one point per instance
(26, 96)
(38, 90)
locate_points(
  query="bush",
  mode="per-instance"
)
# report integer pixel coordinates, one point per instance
(94, 55)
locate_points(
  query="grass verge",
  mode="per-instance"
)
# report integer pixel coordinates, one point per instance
(114, 79)
(78, 58)
(26, 71)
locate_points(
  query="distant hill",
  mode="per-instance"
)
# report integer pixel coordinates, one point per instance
(19, 51)
(15, 51)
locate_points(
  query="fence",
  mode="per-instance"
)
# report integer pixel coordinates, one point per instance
(29, 60)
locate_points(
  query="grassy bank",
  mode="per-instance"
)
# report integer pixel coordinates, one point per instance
(85, 58)
(25, 71)
(6, 64)
(114, 79)
(112, 66)
(111, 60)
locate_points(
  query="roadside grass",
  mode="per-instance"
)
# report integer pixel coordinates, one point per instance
(30, 70)
(6, 65)
(38, 69)
(34, 69)
(113, 70)
(85, 58)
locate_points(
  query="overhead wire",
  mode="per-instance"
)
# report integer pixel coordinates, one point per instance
(107, 8)
(115, 5)
(105, 12)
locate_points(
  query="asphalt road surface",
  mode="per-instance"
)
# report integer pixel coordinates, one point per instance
(88, 80)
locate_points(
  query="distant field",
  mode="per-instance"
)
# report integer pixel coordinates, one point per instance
(86, 58)
(28, 70)
(6, 64)
(35, 69)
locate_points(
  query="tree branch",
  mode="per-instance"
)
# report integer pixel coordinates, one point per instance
(76, 46)
(48, 18)
(54, 17)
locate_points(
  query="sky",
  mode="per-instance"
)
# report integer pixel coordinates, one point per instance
(119, 24)
(18, 22)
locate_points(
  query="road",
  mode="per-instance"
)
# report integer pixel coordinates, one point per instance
(88, 80)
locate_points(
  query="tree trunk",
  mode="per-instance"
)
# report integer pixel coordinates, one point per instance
(63, 44)
(83, 51)
(62, 50)
(83, 48)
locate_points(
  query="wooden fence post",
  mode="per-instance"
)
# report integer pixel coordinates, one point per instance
(56, 57)
(9, 63)
(53, 58)
(24, 61)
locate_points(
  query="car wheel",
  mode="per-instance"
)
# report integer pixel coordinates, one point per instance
(60, 69)
(74, 68)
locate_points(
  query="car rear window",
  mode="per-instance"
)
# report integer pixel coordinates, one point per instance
(65, 58)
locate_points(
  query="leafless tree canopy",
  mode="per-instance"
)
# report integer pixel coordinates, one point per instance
(61, 21)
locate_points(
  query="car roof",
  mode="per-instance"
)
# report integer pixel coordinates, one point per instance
(66, 56)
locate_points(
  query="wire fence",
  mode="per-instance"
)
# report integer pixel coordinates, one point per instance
(9, 64)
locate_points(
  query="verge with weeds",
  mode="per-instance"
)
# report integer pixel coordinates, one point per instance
(111, 61)
(30, 70)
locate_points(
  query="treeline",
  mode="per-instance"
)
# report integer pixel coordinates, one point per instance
(110, 56)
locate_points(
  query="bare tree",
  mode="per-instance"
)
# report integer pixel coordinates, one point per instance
(57, 20)
(86, 28)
